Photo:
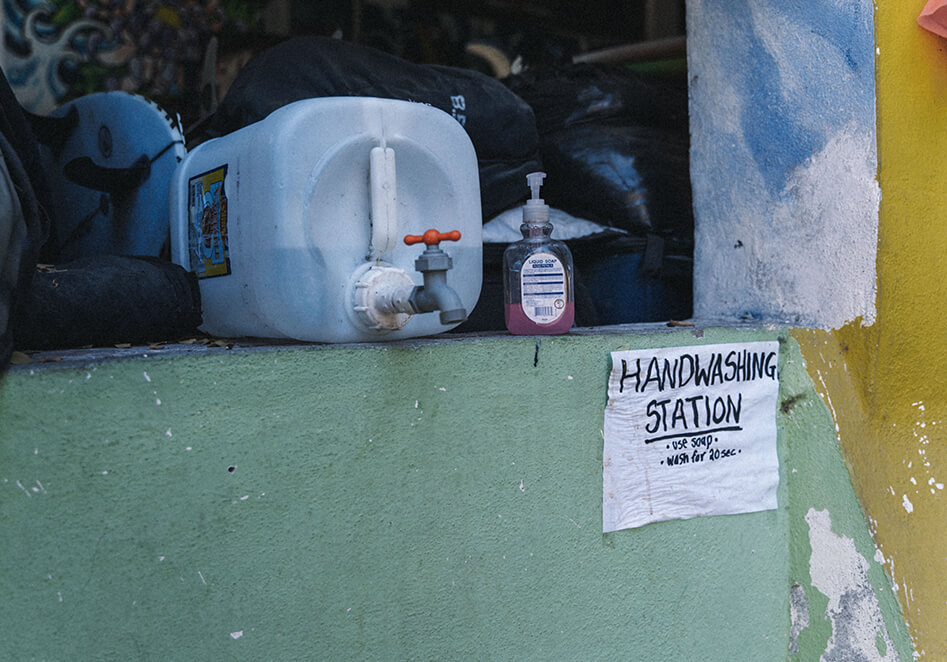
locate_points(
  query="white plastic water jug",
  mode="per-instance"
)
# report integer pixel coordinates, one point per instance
(322, 222)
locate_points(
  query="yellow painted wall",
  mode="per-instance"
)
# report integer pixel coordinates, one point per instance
(887, 384)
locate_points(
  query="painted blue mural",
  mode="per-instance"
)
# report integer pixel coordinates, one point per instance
(783, 159)
(794, 96)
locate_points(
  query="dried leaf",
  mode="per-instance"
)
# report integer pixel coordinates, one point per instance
(19, 358)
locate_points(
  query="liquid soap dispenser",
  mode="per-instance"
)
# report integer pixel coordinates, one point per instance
(537, 273)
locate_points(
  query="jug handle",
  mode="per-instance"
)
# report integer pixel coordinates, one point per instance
(384, 200)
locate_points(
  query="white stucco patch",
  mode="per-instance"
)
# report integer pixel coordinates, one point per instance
(908, 506)
(805, 258)
(828, 232)
(840, 572)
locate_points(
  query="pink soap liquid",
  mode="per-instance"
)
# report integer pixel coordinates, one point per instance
(519, 324)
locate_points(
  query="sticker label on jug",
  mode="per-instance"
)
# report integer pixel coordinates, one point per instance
(543, 287)
(208, 247)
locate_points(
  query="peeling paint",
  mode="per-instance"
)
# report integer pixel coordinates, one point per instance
(798, 616)
(840, 572)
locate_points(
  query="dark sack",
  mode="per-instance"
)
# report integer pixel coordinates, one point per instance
(501, 126)
(636, 178)
(579, 93)
(24, 221)
(615, 146)
(108, 299)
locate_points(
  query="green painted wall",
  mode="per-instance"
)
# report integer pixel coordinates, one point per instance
(430, 500)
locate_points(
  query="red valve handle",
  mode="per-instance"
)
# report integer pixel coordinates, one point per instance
(432, 237)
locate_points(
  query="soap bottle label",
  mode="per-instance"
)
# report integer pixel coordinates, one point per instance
(543, 287)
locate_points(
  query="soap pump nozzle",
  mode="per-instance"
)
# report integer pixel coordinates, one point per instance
(536, 209)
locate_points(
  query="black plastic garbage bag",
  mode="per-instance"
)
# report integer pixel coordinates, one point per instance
(578, 93)
(24, 220)
(106, 300)
(615, 146)
(501, 126)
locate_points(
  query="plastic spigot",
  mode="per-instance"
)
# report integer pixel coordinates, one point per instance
(433, 263)
(432, 237)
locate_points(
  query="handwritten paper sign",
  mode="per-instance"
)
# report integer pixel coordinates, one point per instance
(690, 431)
